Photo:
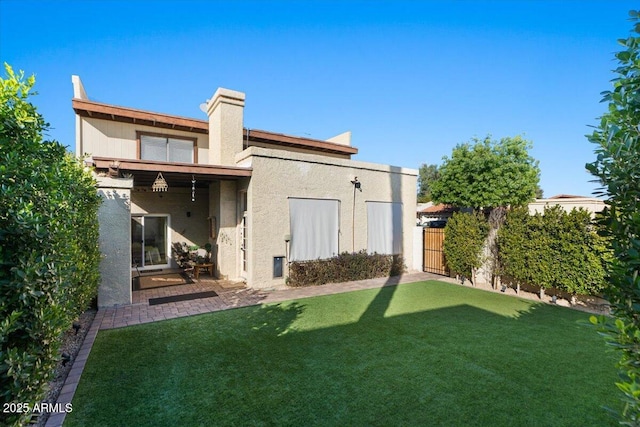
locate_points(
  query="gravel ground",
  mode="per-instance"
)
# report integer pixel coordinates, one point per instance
(71, 343)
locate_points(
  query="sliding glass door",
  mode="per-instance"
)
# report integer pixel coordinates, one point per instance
(150, 245)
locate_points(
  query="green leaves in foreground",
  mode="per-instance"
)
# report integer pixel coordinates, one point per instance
(49, 253)
(617, 167)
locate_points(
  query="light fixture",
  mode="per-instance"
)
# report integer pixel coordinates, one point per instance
(193, 188)
(356, 183)
(160, 184)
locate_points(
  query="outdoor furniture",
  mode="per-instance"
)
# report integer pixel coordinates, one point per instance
(208, 267)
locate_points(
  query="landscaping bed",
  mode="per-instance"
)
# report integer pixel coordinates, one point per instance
(71, 344)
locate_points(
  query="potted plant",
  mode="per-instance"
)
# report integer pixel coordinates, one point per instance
(207, 247)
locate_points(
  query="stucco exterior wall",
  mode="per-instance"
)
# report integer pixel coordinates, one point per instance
(189, 221)
(105, 138)
(225, 111)
(227, 238)
(278, 175)
(115, 241)
(590, 204)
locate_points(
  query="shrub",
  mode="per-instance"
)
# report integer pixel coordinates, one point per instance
(49, 255)
(553, 250)
(464, 239)
(617, 164)
(344, 268)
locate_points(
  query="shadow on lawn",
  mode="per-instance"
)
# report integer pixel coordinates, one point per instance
(273, 319)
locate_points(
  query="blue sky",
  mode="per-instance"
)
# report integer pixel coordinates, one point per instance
(409, 79)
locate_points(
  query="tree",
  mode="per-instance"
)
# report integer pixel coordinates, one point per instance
(426, 175)
(617, 166)
(465, 234)
(488, 174)
(49, 254)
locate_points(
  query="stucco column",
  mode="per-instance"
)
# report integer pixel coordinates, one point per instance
(227, 236)
(225, 111)
(114, 217)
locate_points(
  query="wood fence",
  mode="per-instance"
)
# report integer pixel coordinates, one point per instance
(433, 259)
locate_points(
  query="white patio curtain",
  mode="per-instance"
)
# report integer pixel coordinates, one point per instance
(384, 228)
(314, 228)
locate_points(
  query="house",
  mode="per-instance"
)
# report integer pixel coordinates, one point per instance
(568, 202)
(261, 199)
(432, 213)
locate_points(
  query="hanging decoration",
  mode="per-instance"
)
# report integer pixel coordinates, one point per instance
(160, 184)
(193, 188)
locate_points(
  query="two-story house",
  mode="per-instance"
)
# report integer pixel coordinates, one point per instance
(261, 199)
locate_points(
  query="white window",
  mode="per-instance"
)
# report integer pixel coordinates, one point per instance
(166, 149)
(384, 228)
(314, 228)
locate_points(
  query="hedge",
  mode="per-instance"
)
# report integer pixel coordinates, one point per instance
(557, 249)
(49, 255)
(465, 236)
(344, 268)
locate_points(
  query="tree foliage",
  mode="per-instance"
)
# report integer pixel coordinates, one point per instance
(49, 255)
(617, 166)
(553, 250)
(426, 175)
(465, 234)
(488, 174)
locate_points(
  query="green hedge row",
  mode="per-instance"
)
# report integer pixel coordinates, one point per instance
(343, 268)
(557, 249)
(465, 236)
(49, 255)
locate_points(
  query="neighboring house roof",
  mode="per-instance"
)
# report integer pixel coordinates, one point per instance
(567, 196)
(116, 113)
(439, 209)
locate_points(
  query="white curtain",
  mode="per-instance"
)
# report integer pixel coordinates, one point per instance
(384, 228)
(180, 150)
(153, 148)
(314, 228)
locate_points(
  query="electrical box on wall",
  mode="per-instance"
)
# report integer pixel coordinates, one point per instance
(278, 266)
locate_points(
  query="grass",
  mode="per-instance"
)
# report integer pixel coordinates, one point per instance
(427, 353)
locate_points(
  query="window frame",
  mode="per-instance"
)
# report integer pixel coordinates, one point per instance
(166, 136)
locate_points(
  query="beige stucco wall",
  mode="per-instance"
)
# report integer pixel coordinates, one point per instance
(225, 111)
(590, 204)
(115, 241)
(105, 138)
(278, 175)
(189, 221)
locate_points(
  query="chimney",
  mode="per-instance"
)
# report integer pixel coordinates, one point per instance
(225, 111)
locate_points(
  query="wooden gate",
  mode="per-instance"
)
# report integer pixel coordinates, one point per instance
(433, 259)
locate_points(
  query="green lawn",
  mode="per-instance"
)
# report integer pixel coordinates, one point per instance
(423, 354)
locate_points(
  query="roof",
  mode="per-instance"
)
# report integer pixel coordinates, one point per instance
(177, 174)
(439, 209)
(256, 135)
(86, 108)
(102, 111)
(567, 196)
